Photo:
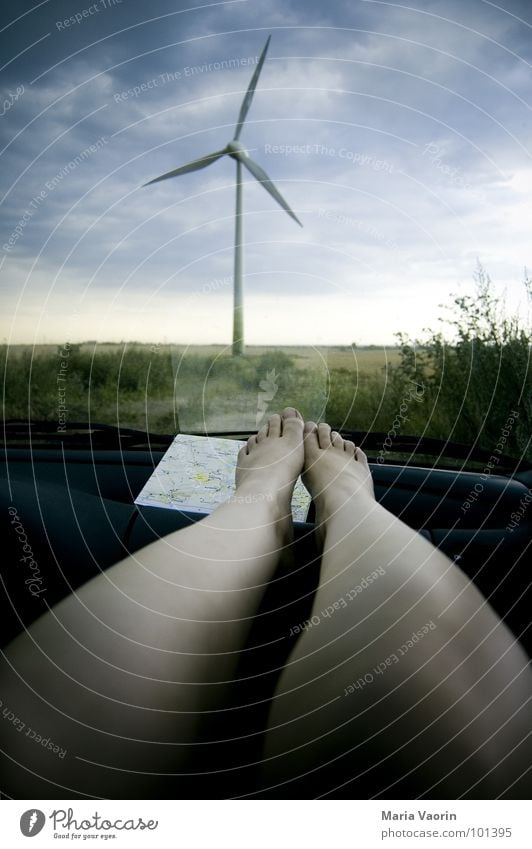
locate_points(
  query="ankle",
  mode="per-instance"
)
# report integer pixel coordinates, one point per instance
(246, 495)
(274, 503)
(344, 504)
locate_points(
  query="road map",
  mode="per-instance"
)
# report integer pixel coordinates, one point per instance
(197, 473)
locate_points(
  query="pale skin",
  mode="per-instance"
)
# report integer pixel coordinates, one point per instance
(128, 673)
(449, 717)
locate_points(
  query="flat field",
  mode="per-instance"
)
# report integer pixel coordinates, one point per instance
(193, 388)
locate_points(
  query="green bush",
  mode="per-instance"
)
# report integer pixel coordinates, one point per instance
(473, 382)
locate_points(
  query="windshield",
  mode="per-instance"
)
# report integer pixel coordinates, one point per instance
(210, 213)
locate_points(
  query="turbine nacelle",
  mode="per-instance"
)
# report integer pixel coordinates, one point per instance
(236, 150)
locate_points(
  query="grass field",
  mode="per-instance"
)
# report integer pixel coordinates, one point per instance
(366, 360)
(162, 387)
(167, 389)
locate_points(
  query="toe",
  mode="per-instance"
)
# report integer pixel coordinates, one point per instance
(291, 421)
(337, 440)
(274, 425)
(291, 413)
(310, 437)
(349, 448)
(262, 433)
(360, 456)
(250, 444)
(324, 435)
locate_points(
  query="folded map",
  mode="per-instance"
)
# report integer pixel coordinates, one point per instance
(197, 473)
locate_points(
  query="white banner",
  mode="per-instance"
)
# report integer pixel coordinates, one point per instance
(266, 824)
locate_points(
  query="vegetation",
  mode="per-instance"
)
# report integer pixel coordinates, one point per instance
(476, 384)
(462, 383)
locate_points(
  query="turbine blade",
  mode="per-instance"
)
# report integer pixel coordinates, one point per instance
(192, 166)
(261, 175)
(246, 103)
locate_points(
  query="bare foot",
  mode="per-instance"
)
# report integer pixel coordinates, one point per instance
(271, 462)
(335, 472)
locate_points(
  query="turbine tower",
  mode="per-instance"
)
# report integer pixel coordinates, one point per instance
(236, 150)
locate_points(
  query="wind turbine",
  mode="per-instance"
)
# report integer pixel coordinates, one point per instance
(236, 150)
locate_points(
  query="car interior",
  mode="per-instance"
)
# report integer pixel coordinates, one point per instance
(74, 497)
(122, 287)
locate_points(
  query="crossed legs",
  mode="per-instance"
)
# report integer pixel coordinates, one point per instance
(127, 675)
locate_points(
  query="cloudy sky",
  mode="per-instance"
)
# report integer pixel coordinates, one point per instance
(400, 134)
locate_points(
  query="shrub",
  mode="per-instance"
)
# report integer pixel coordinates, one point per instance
(474, 381)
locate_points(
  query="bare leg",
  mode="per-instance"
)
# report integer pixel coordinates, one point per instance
(121, 676)
(404, 682)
